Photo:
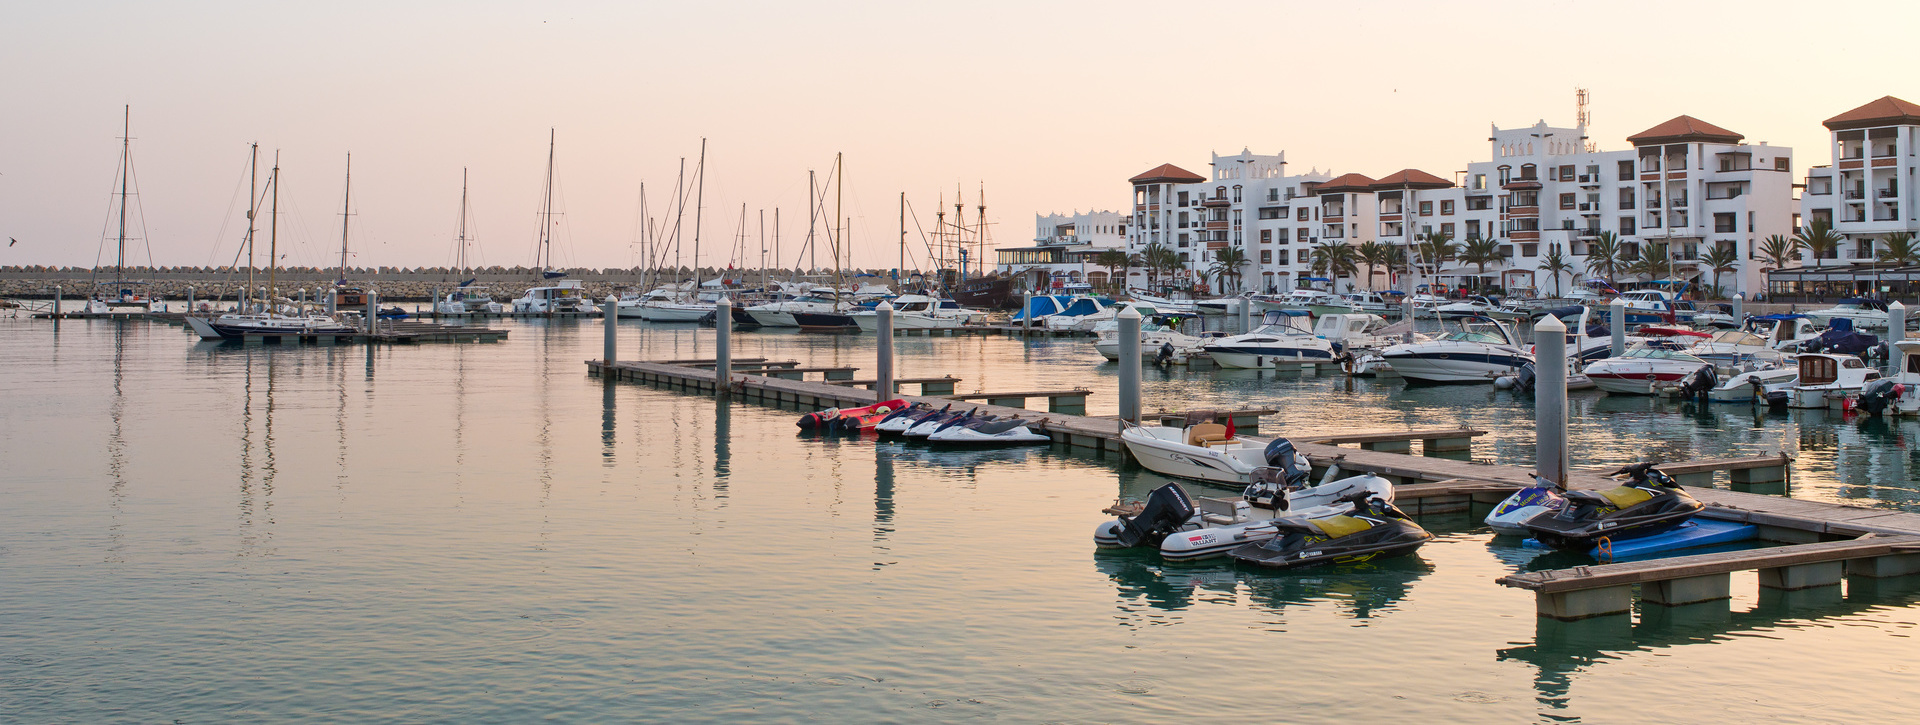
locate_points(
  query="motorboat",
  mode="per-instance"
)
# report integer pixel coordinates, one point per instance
(1004, 432)
(1782, 331)
(1647, 370)
(1188, 529)
(1156, 340)
(567, 295)
(1471, 350)
(1649, 503)
(1729, 348)
(1841, 337)
(1587, 339)
(850, 418)
(1376, 303)
(1040, 307)
(1425, 306)
(235, 326)
(1164, 304)
(1657, 307)
(1353, 331)
(1900, 394)
(780, 314)
(1472, 306)
(1510, 516)
(1862, 312)
(1318, 302)
(1275, 343)
(1745, 386)
(1077, 310)
(920, 312)
(1107, 316)
(1375, 530)
(468, 300)
(1200, 451)
(1827, 379)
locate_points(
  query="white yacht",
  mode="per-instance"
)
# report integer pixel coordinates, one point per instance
(1733, 347)
(1275, 343)
(1314, 301)
(1782, 331)
(819, 300)
(1863, 312)
(1643, 371)
(467, 300)
(1472, 306)
(920, 312)
(1826, 379)
(567, 295)
(1470, 350)
(1154, 338)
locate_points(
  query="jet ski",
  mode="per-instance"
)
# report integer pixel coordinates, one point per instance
(824, 419)
(905, 419)
(979, 432)
(1509, 518)
(1374, 530)
(1650, 503)
(933, 425)
(1219, 525)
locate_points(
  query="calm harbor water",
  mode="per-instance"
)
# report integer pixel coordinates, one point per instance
(481, 533)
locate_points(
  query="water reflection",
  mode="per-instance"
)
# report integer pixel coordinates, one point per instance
(255, 513)
(722, 447)
(1361, 591)
(1562, 651)
(117, 445)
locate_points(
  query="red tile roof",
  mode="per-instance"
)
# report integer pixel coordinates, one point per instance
(1888, 111)
(1166, 173)
(1682, 129)
(1412, 179)
(1346, 182)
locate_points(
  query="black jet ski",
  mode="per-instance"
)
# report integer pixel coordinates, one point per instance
(1650, 503)
(1374, 530)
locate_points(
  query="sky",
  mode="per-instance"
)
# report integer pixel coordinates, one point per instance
(1048, 107)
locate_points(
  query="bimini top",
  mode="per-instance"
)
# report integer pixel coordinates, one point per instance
(1777, 317)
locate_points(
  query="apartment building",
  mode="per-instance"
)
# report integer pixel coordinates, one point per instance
(1685, 183)
(1867, 191)
(1064, 249)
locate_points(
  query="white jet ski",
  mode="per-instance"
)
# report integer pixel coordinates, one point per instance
(900, 422)
(1509, 518)
(981, 432)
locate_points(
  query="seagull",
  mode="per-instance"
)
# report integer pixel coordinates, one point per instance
(11, 241)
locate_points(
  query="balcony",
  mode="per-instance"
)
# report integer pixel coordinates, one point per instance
(1888, 193)
(1680, 203)
(1589, 179)
(1214, 201)
(1820, 191)
(1587, 206)
(1856, 194)
(1626, 204)
(1724, 228)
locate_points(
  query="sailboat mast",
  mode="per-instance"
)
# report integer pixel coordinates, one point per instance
(346, 211)
(546, 214)
(699, 198)
(680, 190)
(813, 220)
(899, 273)
(980, 237)
(763, 250)
(273, 235)
(840, 235)
(253, 209)
(126, 163)
(463, 220)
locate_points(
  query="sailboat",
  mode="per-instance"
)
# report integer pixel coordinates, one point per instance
(667, 304)
(564, 295)
(467, 298)
(268, 319)
(345, 296)
(121, 293)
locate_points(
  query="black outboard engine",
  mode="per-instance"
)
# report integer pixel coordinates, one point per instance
(1699, 382)
(1523, 381)
(1269, 485)
(1165, 357)
(1877, 396)
(1168, 508)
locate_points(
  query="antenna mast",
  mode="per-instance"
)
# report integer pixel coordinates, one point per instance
(346, 211)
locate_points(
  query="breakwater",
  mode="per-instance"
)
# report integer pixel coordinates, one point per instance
(400, 284)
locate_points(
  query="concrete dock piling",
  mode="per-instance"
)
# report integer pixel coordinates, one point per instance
(883, 350)
(1246, 316)
(373, 310)
(1739, 309)
(1617, 322)
(722, 347)
(610, 312)
(1129, 364)
(1550, 399)
(190, 301)
(1026, 314)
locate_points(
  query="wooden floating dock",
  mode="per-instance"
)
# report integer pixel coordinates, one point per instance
(1823, 542)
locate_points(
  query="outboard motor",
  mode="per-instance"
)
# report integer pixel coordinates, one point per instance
(1168, 508)
(1523, 382)
(1165, 357)
(1877, 396)
(1282, 455)
(1699, 382)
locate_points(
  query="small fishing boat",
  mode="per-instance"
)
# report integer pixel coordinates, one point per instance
(1751, 385)
(1200, 451)
(1828, 379)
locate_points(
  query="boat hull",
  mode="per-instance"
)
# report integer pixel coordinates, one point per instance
(674, 312)
(1453, 367)
(1214, 465)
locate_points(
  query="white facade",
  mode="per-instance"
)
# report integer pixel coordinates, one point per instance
(1064, 249)
(1250, 203)
(1868, 190)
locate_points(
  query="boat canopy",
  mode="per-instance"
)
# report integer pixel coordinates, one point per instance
(1042, 306)
(1080, 307)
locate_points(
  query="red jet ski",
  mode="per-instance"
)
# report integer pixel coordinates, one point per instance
(851, 419)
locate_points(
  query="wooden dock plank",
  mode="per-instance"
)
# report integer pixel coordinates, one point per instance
(1635, 572)
(1385, 436)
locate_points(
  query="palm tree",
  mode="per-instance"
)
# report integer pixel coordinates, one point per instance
(1556, 264)
(1154, 258)
(1603, 256)
(1818, 238)
(1721, 258)
(1334, 259)
(1779, 249)
(1481, 252)
(1435, 248)
(1901, 250)
(1227, 263)
(1112, 259)
(1374, 255)
(1134, 260)
(1164, 259)
(1652, 262)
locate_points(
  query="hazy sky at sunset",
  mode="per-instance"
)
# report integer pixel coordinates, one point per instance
(1051, 105)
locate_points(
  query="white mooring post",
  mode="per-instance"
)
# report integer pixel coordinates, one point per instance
(1617, 319)
(722, 347)
(1026, 315)
(1246, 316)
(1550, 399)
(611, 312)
(56, 306)
(373, 311)
(1406, 313)
(189, 300)
(1129, 364)
(1896, 331)
(1739, 309)
(883, 352)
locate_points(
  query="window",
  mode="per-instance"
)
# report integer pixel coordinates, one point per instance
(1531, 250)
(1626, 198)
(1273, 193)
(1282, 259)
(1528, 172)
(1566, 200)
(1183, 240)
(1219, 192)
(1479, 203)
(1626, 170)
(1566, 174)
(1183, 256)
(1506, 175)
(1479, 182)
(1302, 234)
(1783, 164)
(1266, 236)
(1626, 225)
(1473, 229)
(1446, 228)
(1183, 220)
(1183, 199)
(1236, 192)
(1426, 208)
(1266, 256)
(1446, 207)
(1302, 216)
(1723, 223)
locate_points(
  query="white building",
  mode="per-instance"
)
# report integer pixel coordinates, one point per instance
(1862, 194)
(1251, 205)
(1064, 251)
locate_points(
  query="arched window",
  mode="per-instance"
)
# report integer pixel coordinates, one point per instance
(1236, 192)
(1527, 171)
(1220, 192)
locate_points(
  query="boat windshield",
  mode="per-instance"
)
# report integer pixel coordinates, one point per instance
(1649, 353)
(1481, 331)
(1736, 337)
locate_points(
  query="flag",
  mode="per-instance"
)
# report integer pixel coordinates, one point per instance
(1229, 427)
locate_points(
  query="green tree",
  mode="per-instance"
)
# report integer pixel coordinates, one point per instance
(1556, 264)
(1480, 253)
(1818, 238)
(1779, 249)
(1112, 259)
(1721, 258)
(1156, 259)
(1334, 259)
(1900, 249)
(1434, 249)
(1227, 264)
(1375, 255)
(1604, 256)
